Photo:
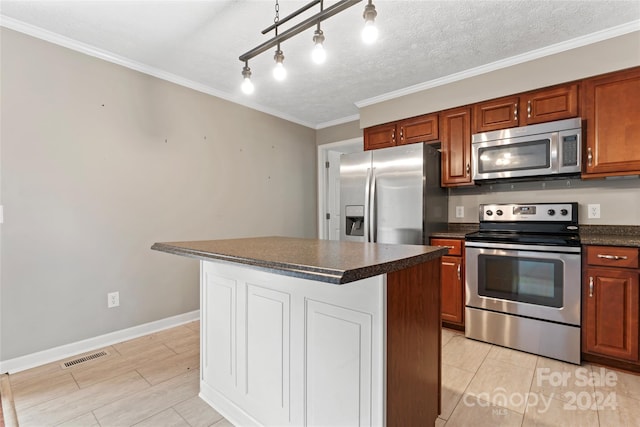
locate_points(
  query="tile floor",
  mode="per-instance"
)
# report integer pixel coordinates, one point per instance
(153, 381)
(149, 381)
(488, 385)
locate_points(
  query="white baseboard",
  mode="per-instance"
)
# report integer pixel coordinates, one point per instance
(28, 361)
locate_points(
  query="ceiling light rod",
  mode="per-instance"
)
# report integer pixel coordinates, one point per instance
(297, 29)
(292, 15)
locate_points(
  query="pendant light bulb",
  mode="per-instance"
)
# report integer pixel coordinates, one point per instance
(279, 72)
(319, 55)
(247, 84)
(370, 31)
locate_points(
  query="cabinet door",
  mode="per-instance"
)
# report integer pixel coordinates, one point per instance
(550, 104)
(456, 147)
(338, 352)
(496, 114)
(380, 136)
(219, 364)
(265, 377)
(418, 129)
(611, 315)
(612, 112)
(452, 290)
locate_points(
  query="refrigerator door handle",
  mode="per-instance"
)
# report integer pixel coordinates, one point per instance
(372, 207)
(367, 195)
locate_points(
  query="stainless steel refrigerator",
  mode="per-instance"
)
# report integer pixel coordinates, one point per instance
(392, 195)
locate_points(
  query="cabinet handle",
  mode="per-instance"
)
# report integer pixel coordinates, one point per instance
(515, 112)
(393, 135)
(590, 286)
(589, 157)
(529, 109)
(613, 257)
(459, 268)
(468, 168)
(401, 134)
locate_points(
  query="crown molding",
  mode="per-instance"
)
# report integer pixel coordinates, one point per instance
(338, 121)
(60, 40)
(577, 42)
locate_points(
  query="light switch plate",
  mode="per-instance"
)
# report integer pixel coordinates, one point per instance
(459, 211)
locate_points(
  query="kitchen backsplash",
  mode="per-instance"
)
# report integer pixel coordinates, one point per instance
(619, 198)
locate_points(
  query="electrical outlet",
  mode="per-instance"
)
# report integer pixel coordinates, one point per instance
(459, 211)
(113, 299)
(594, 211)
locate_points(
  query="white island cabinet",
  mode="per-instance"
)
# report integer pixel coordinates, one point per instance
(298, 332)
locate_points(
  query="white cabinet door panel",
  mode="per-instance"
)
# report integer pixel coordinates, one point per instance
(267, 353)
(219, 348)
(338, 368)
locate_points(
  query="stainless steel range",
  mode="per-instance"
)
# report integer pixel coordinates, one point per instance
(523, 279)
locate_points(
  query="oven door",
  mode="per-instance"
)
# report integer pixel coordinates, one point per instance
(540, 282)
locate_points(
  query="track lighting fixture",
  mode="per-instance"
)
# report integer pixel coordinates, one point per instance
(319, 55)
(370, 31)
(247, 85)
(369, 35)
(279, 72)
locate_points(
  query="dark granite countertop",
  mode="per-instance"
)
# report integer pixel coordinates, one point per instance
(456, 230)
(610, 235)
(321, 260)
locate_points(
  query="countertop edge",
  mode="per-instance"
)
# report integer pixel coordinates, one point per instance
(319, 274)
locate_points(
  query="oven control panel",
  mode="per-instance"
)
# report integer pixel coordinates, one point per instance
(517, 212)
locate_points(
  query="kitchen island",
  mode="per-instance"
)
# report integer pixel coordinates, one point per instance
(321, 333)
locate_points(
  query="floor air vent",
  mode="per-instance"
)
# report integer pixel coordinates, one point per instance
(83, 359)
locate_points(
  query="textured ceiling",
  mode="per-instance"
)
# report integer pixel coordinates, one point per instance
(200, 41)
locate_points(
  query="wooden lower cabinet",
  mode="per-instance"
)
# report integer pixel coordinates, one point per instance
(452, 290)
(452, 281)
(611, 304)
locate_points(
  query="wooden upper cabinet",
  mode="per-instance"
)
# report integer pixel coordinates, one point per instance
(497, 114)
(418, 129)
(408, 131)
(547, 105)
(380, 136)
(455, 135)
(539, 106)
(611, 107)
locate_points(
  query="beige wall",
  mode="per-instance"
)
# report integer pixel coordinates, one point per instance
(341, 132)
(597, 58)
(619, 198)
(98, 163)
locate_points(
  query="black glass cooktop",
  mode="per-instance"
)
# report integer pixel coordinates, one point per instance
(524, 238)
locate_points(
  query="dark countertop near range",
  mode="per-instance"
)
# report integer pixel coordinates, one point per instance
(456, 230)
(610, 235)
(320, 260)
(605, 235)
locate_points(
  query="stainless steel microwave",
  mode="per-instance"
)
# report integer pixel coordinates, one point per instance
(546, 149)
